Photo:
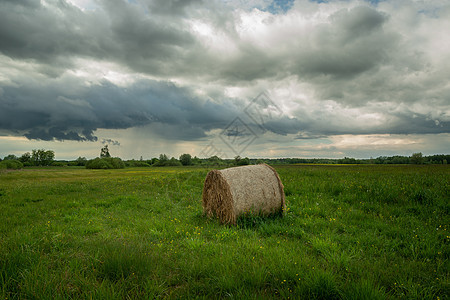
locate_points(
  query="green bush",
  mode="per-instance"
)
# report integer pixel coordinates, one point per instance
(80, 161)
(11, 164)
(186, 159)
(165, 163)
(243, 162)
(172, 162)
(105, 163)
(136, 163)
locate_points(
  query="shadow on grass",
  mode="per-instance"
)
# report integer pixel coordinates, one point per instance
(250, 221)
(246, 221)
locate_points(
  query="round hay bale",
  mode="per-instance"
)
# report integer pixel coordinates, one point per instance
(255, 189)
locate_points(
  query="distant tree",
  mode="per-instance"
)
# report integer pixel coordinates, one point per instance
(81, 161)
(243, 161)
(164, 161)
(397, 159)
(214, 160)
(186, 159)
(41, 157)
(417, 158)
(105, 163)
(25, 158)
(380, 159)
(172, 162)
(196, 160)
(104, 152)
(438, 158)
(10, 157)
(347, 160)
(163, 158)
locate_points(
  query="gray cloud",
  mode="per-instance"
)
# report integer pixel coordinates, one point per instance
(157, 40)
(110, 142)
(341, 119)
(308, 136)
(32, 31)
(172, 7)
(352, 42)
(284, 125)
(366, 60)
(58, 32)
(46, 112)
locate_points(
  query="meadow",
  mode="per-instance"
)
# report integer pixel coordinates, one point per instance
(348, 232)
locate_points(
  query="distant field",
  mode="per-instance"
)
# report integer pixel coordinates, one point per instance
(349, 232)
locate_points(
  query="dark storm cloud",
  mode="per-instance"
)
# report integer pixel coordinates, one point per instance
(45, 112)
(59, 133)
(154, 38)
(410, 122)
(58, 32)
(352, 43)
(406, 122)
(284, 125)
(30, 30)
(151, 37)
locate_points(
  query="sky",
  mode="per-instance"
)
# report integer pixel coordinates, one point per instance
(256, 78)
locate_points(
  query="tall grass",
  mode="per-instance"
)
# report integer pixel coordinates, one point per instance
(349, 232)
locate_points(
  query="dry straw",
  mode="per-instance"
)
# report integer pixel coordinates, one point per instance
(229, 193)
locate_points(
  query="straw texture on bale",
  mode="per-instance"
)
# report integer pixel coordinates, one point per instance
(229, 193)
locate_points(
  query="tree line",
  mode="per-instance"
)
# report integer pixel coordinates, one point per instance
(37, 157)
(42, 157)
(415, 158)
(105, 161)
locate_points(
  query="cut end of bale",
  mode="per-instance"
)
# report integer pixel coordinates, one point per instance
(217, 199)
(232, 192)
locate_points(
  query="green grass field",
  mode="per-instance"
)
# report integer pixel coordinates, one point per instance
(349, 232)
